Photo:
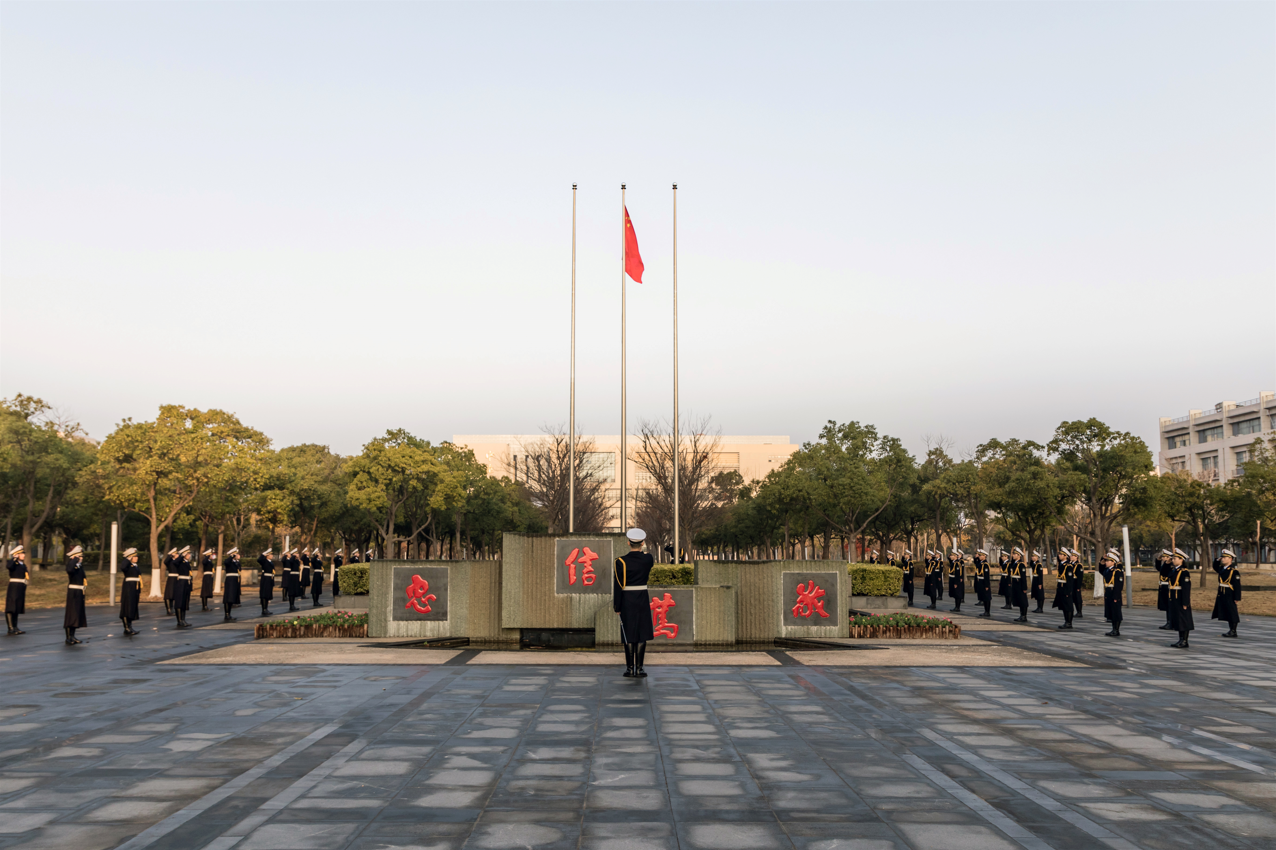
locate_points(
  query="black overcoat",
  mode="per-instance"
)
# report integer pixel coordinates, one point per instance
(15, 597)
(266, 588)
(75, 617)
(1181, 600)
(130, 590)
(231, 587)
(1229, 593)
(634, 606)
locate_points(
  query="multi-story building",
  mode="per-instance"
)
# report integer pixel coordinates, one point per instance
(1212, 444)
(752, 457)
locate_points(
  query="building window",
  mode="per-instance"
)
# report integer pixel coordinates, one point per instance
(1177, 442)
(1249, 426)
(1242, 456)
(1178, 465)
(1209, 463)
(600, 465)
(1209, 435)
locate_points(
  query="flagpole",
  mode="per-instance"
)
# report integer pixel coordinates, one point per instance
(624, 427)
(677, 445)
(571, 416)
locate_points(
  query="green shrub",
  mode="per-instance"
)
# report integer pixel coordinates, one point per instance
(1088, 581)
(875, 579)
(354, 579)
(673, 574)
(333, 618)
(900, 620)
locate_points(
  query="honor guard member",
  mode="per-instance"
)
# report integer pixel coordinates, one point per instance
(1181, 598)
(297, 591)
(303, 586)
(935, 579)
(906, 564)
(266, 588)
(1019, 583)
(130, 590)
(182, 595)
(957, 578)
(1078, 589)
(1063, 587)
(231, 587)
(337, 562)
(285, 579)
(872, 557)
(1165, 571)
(75, 617)
(983, 581)
(1003, 584)
(209, 565)
(1229, 592)
(354, 557)
(1113, 589)
(15, 597)
(630, 599)
(1038, 571)
(316, 577)
(170, 580)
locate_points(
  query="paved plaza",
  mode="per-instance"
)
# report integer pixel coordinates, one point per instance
(1016, 737)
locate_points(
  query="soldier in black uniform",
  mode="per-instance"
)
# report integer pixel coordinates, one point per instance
(286, 580)
(170, 580)
(1078, 587)
(1038, 571)
(1164, 571)
(354, 557)
(231, 587)
(957, 578)
(75, 617)
(1229, 592)
(630, 599)
(1003, 583)
(266, 589)
(935, 579)
(337, 563)
(15, 597)
(872, 557)
(905, 563)
(316, 577)
(983, 581)
(182, 595)
(303, 586)
(1181, 598)
(130, 590)
(1019, 583)
(209, 565)
(1063, 587)
(1113, 589)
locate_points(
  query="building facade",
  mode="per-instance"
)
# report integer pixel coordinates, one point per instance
(1212, 444)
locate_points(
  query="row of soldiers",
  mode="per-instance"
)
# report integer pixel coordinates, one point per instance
(1023, 578)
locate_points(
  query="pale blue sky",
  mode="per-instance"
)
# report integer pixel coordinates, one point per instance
(974, 220)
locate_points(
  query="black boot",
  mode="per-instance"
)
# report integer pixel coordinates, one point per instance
(70, 636)
(1066, 625)
(1231, 632)
(168, 607)
(181, 620)
(1116, 631)
(264, 611)
(128, 628)
(11, 620)
(1165, 628)
(629, 661)
(956, 607)
(1023, 614)
(1182, 644)
(227, 618)
(639, 654)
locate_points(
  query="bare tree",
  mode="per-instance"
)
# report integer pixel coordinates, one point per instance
(705, 489)
(543, 468)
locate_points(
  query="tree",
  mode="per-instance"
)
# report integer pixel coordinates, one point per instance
(394, 471)
(157, 469)
(1106, 471)
(312, 476)
(939, 491)
(1198, 504)
(1022, 488)
(1251, 498)
(544, 469)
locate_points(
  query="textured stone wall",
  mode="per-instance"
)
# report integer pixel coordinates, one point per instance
(529, 573)
(473, 602)
(761, 599)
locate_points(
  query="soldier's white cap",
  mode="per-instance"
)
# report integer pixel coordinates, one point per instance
(129, 552)
(338, 552)
(1111, 555)
(267, 552)
(210, 551)
(1178, 553)
(908, 552)
(306, 550)
(183, 550)
(17, 550)
(75, 550)
(1227, 553)
(172, 551)
(1036, 554)
(1016, 549)
(1166, 553)
(981, 551)
(354, 551)
(636, 535)
(234, 551)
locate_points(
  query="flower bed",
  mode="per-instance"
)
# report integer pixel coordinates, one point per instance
(337, 624)
(902, 627)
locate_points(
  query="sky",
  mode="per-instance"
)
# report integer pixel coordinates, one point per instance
(967, 220)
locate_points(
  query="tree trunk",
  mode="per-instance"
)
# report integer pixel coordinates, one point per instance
(157, 586)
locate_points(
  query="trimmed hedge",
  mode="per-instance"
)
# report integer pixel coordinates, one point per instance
(875, 579)
(902, 627)
(335, 624)
(671, 575)
(354, 579)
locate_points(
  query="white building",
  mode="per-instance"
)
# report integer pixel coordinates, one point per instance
(1212, 444)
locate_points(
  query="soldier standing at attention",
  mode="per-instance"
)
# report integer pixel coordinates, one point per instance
(285, 580)
(316, 577)
(209, 565)
(1181, 598)
(1078, 589)
(1229, 592)
(231, 588)
(1038, 570)
(337, 563)
(983, 582)
(15, 597)
(303, 587)
(906, 564)
(1063, 588)
(170, 580)
(75, 617)
(957, 578)
(1164, 570)
(182, 595)
(130, 590)
(1019, 583)
(1003, 584)
(629, 599)
(266, 589)
(1113, 590)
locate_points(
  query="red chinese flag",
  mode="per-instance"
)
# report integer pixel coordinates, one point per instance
(633, 260)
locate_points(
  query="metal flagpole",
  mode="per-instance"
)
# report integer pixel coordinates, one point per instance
(677, 445)
(624, 422)
(571, 417)
(115, 556)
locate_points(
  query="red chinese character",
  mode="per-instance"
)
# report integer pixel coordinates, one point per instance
(660, 617)
(586, 561)
(809, 601)
(419, 594)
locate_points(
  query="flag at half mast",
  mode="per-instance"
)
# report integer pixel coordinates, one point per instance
(633, 260)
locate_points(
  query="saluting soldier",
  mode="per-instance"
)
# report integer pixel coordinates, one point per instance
(905, 563)
(1019, 583)
(170, 580)
(1113, 590)
(75, 616)
(285, 579)
(1038, 571)
(630, 599)
(872, 557)
(1229, 592)
(337, 563)
(957, 578)
(182, 595)
(209, 566)
(935, 578)
(303, 587)
(266, 589)
(15, 597)
(1078, 589)
(316, 577)
(1003, 584)
(130, 590)
(1063, 587)
(983, 581)
(1181, 598)
(231, 586)
(354, 557)
(1164, 570)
